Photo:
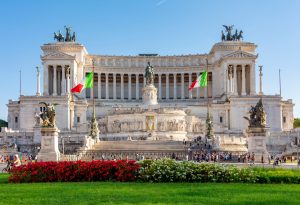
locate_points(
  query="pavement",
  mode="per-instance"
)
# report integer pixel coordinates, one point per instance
(2, 166)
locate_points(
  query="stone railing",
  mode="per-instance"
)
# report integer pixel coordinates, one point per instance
(70, 157)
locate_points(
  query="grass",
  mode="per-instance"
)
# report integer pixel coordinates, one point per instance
(147, 193)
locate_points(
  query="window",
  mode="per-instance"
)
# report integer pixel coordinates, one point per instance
(284, 119)
(221, 119)
(16, 119)
(78, 119)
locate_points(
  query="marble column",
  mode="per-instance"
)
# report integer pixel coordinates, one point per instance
(99, 85)
(243, 80)
(159, 86)
(46, 79)
(167, 86)
(114, 86)
(106, 86)
(190, 82)
(68, 83)
(137, 87)
(63, 89)
(58, 79)
(54, 80)
(175, 85)
(38, 92)
(182, 85)
(129, 86)
(235, 89)
(198, 89)
(252, 79)
(122, 86)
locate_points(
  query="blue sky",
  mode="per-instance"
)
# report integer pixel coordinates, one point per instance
(166, 27)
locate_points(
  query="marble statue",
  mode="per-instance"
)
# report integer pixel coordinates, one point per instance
(149, 74)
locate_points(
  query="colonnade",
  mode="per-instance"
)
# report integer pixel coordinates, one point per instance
(57, 78)
(129, 86)
(240, 79)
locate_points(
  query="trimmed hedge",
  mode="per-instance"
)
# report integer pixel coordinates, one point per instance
(278, 175)
(163, 170)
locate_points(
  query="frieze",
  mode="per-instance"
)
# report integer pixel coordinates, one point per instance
(58, 55)
(138, 61)
(75, 47)
(240, 54)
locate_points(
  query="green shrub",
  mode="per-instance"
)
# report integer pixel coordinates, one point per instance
(277, 175)
(167, 170)
(296, 122)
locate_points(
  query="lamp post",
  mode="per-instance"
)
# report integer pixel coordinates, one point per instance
(63, 144)
(297, 143)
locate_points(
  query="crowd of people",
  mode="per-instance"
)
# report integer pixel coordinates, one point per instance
(204, 155)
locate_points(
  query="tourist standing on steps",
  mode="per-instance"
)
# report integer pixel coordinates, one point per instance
(253, 158)
(17, 161)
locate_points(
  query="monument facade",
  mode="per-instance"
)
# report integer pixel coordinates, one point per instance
(159, 101)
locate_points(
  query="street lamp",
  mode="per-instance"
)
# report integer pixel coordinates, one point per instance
(63, 144)
(297, 143)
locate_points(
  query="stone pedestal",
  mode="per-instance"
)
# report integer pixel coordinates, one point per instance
(150, 95)
(49, 145)
(257, 143)
(37, 134)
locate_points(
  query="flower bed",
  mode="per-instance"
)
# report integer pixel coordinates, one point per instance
(167, 170)
(121, 170)
(163, 170)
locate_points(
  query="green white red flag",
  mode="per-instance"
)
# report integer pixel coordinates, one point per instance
(86, 82)
(201, 81)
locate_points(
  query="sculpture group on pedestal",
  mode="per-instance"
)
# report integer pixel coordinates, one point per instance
(257, 115)
(48, 115)
(237, 36)
(69, 38)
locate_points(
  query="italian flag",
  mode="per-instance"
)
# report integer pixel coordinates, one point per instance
(201, 81)
(87, 82)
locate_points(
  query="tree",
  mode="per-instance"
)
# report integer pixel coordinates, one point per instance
(296, 122)
(3, 124)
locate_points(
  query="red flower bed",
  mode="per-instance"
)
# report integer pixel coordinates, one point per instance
(121, 170)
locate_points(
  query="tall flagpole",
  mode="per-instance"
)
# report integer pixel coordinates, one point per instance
(279, 83)
(92, 91)
(209, 124)
(20, 82)
(94, 131)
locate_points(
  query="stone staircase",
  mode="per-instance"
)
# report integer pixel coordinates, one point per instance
(135, 150)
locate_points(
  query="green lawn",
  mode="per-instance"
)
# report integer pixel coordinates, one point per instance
(146, 193)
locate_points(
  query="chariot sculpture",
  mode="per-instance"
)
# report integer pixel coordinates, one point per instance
(237, 36)
(69, 38)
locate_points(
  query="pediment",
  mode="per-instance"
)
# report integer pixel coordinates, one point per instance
(58, 56)
(240, 54)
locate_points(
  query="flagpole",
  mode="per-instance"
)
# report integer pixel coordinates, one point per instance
(20, 82)
(208, 119)
(94, 131)
(92, 90)
(279, 83)
(207, 86)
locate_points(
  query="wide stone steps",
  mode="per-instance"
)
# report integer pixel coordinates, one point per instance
(135, 150)
(139, 145)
